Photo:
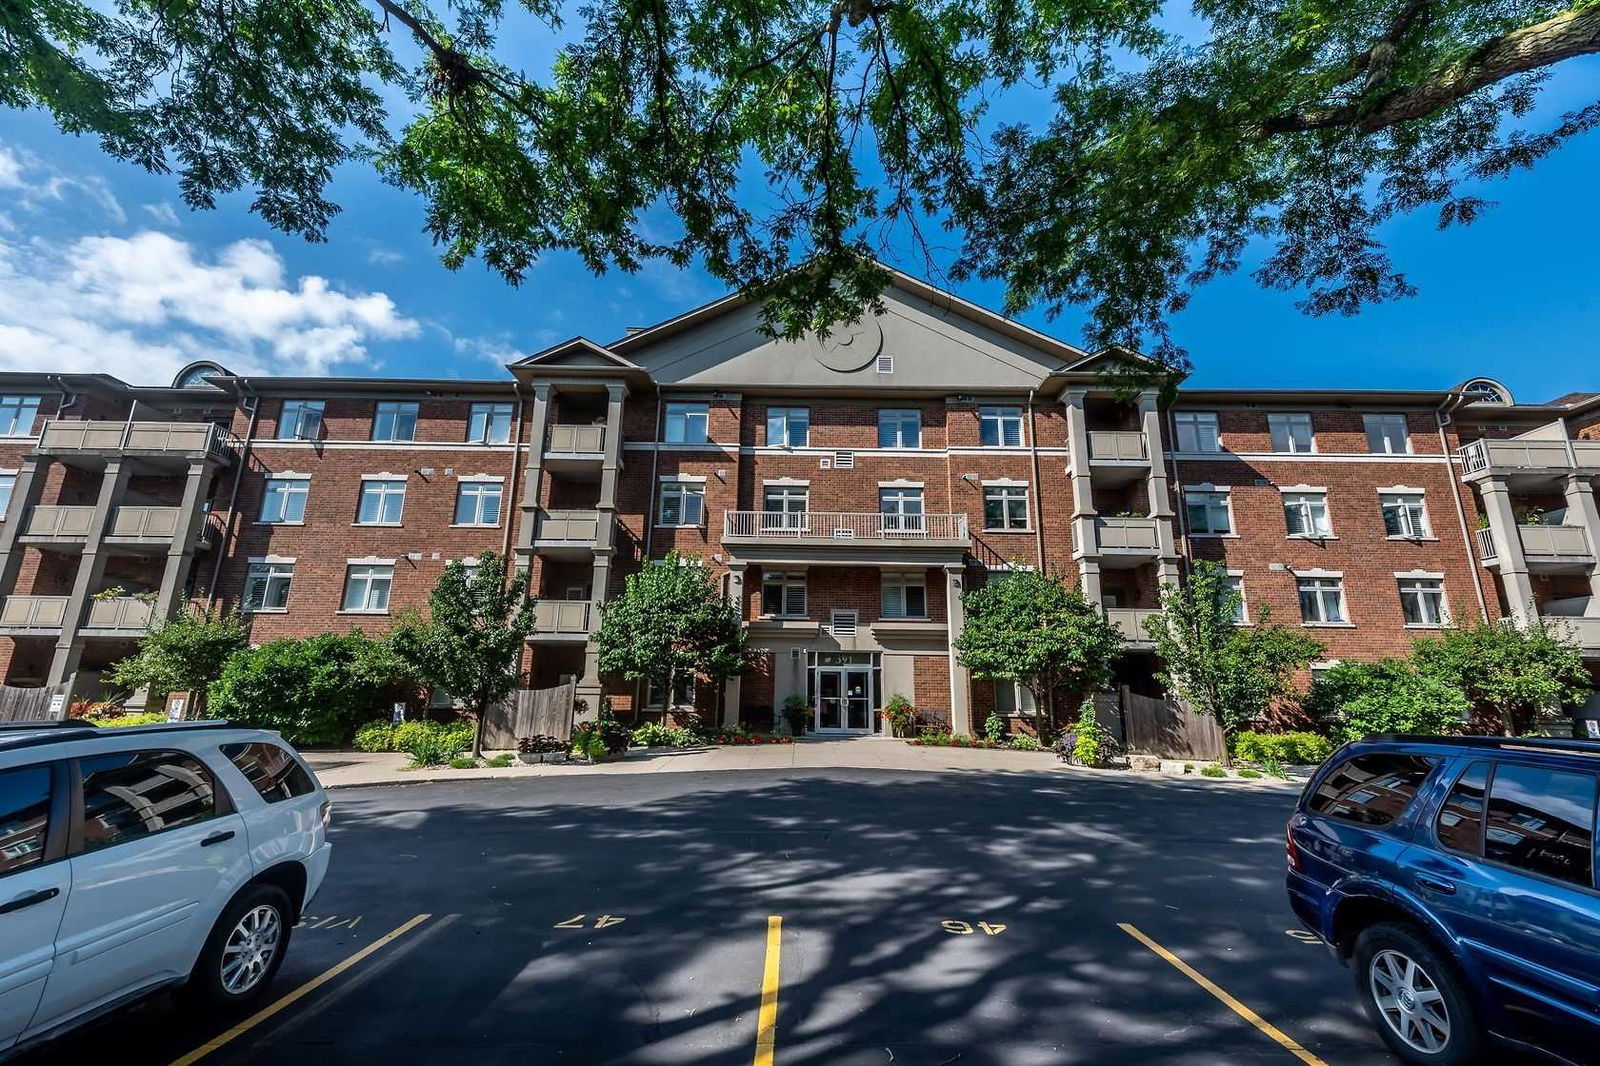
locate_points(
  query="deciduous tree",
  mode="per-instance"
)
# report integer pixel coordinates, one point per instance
(183, 654)
(1514, 677)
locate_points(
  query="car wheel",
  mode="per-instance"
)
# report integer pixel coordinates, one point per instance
(1414, 997)
(245, 947)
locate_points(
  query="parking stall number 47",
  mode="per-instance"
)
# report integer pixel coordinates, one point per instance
(604, 921)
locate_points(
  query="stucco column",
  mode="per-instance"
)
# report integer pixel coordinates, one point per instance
(31, 477)
(91, 568)
(538, 427)
(732, 690)
(1089, 580)
(611, 461)
(1078, 449)
(1156, 486)
(180, 552)
(960, 678)
(1496, 499)
(1582, 507)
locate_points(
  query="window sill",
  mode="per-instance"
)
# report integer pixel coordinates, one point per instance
(270, 522)
(664, 525)
(1414, 540)
(474, 525)
(905, 618)
(1214, 536)
(1310, 536)
(377, 525)
(992, 529)
(1328, 625)
(264, 610)
(783, 618)
(1427, 625)
(366, 612)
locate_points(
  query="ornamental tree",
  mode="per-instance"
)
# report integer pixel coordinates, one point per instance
(1229, 671)
(1359, 699)
(671, 620)
(1514, 677)
(186, 653)
(1028, 627)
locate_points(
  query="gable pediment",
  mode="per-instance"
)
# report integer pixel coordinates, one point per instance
(579, 353)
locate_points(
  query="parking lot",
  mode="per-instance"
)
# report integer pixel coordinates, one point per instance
(815, 916)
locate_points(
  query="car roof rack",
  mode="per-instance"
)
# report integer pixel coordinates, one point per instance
(1574, 745)
(57, 730)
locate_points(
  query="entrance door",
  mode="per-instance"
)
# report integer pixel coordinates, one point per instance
(844, 699)
(830, 699)
(858, 699)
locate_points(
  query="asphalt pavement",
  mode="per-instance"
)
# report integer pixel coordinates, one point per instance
(840, 917)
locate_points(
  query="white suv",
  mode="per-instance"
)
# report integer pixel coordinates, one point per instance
(135, 858)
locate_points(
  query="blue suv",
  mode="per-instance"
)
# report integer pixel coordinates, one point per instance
(1456, 876)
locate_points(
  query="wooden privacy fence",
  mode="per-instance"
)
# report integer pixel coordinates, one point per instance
(1168, 728)
(27, 704)
(528, 712)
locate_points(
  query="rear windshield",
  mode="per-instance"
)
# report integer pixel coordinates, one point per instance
(1371, 789)
(275, 773)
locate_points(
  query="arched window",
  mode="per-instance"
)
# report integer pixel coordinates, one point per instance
(198, 375)
(1486, 391)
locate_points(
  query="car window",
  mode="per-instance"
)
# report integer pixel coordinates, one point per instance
(1372, 789)
(275, 773)
(1460, 821)
(136, 793)
(24, 817)
(1542, 821)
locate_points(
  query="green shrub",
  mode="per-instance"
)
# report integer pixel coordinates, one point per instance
(1213, 771)
(994, 728)
(1249, 773)
(1274, 768)
(1023, 742)
(501, 761)
(902, 717)
(797, 712)
(589, 743)
(121, 721)
(656, 735)
(1094, 744)
(376, 735)
(433, 743)
(1300, 748)
(463, 764)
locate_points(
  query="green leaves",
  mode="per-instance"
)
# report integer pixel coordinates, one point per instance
(184, 654)
(671, 620)
(473, 636)
(1512, 677)
(1359, 699)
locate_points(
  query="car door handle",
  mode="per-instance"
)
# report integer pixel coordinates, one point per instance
(29, 900)
(216, 838)
(1433, 884)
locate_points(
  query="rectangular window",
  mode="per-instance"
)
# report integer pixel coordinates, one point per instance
(1012, 698)
(1306, 514)
(1422, 600)
(272, 772)
(1197, 431)
(1387, 434)
(1371, 789)
(1234, 585)
(1291, 432)
(1005, 507)
(902, 510)
(383, 502)
(1404, 514)
(1460, 822)
(24, 817)
(478, 503)
(783, 595)
(905, 596)
(682, 692)
(1542, 821)
(688, 423)
(899, 429)
(1000, 427)
(266, 586)
(683, 503)
(284, 499)
(8, 485)
(1207, 512)
(17, 415)
(489, 423)
(301, 420)
(785, 506)
(1322, 599)
(788, 427)
(395, 421)
(133, 794)
(366, 587)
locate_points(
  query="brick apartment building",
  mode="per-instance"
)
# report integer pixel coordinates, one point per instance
(843, 491)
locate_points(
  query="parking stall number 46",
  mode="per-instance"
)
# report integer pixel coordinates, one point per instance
(965, 928)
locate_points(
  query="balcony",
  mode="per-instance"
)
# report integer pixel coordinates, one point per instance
(1118, 455)
(1546, 549)
(1529, 462)
(1129, 621)
(38, 615)
(1579, 618)
(118, 616)
(1126, 541)
(566, 534)
(857, 536)
(160, 444)
(136, 527)
(560, 620)
(51, 523)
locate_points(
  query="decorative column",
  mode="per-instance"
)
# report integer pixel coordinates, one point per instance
(1496, 498)
(31, 477)
(1581, 503)
(589, 687)
(1157, 488)
(960, 677)
(180, 551)
(732, 690)
(91, 568)
(532, 469)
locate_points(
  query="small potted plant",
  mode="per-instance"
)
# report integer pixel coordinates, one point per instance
(540, 748)
(797, 712)
(901, 716)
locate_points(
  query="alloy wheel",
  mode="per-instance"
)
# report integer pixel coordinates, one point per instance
(1409, 1001)
(251, 947)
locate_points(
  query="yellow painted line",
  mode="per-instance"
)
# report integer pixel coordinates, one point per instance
(300, 993)
(767, 1020)
(1232, 1004)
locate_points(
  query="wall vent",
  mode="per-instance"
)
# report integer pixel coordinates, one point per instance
(796, 654)
(844, 460)
(843, 623)
(886, 364)
(826, 462)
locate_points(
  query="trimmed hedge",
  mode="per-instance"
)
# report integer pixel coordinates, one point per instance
(1297, 748)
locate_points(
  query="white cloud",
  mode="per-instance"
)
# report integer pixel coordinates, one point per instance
(37, 182)
(142, 306)
(378, 255)
(163, 213)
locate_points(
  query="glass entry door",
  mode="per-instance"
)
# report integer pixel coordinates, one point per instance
(844, 699)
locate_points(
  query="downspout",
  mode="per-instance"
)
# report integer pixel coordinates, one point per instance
(1467, 539)
(254, 403)
(1038, 489)
(69, 399)
(1181, 518)
(511, 493)
(650, 494)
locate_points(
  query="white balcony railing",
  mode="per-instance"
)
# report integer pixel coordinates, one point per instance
(1512, 456)
(579, 526)
(1541, 543)
(576, 440)
(128, 614)
(561, 617)
(33, 612)
(1117, 445)
(189, 438)
(142, 521)
(1127, 534)
(1129, 621)
(1486, 546)
(843, 525)
(59, 521)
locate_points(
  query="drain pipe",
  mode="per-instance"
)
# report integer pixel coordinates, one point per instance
(253, 403)
(1038, 489)
(650, 493)
(1442, 416)
(511, 490)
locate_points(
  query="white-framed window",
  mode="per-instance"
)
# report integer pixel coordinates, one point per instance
(383, 501)
(301, 420)
(1405, 515)
(1234, 583)
(788, 427)
(902, 509)
(1198, 431)
(1387, 434)
(683, 503)
(1010, 697)
(1208, 512)
(366, 587)
(489, 423)
(17, 415)
(905, 596)
(785, 506)
(1000, 427)
(1422, 600)
(1291, 432)
(688, 423)
(8, 487)
(1005, 507)
(682, 692)
(1322, 600)
(266, 586)
(284, 499)
(1305, 513)
(395, 420)
(478, 503)
(899, 428)
(783, 595)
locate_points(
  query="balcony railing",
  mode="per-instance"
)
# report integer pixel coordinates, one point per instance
(1584, 630)
(33, 612)
(128, 614)
(178, 438)
(578, 526)
(570, 617)
(1127, 535)
(1512, 456)
(142, 521)
(1108, 445)
(1486, 546)
(576, 440)
(1553, 543)
(1129, 621)
(843, 526)
(52, 521)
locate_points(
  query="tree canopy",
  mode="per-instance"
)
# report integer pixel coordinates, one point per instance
(1515, 678)
(821, 131)
(186, 653)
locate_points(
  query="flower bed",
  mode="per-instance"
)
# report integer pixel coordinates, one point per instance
(731, 739)
(951, 740)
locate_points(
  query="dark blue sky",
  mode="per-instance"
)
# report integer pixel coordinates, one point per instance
(102, 268)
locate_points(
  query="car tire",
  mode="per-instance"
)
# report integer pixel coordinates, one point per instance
(245, 948)
(1415, 998)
